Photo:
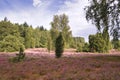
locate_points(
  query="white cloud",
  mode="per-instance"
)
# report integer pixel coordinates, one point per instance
(37, 3)
(33, 16)
(41, 15)
(76, 13)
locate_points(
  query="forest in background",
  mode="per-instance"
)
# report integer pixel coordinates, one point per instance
(16, 36)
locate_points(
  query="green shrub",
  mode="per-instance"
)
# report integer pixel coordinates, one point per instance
(86, 47)
(20, 56)
(98, 44)
(59, 46)
(116, 44)
(79, 48)
(10, 44)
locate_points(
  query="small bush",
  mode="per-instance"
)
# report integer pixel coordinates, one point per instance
(19, 57)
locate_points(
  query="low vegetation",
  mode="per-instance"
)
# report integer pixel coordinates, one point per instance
(66, 68)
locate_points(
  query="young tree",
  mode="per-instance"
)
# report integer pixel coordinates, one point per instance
(20, 56)
(59, 46)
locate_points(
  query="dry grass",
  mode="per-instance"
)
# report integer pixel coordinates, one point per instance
(41, 65)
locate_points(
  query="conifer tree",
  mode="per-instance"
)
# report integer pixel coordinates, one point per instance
(59, 46)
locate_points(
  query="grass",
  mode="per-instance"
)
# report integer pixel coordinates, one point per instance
(66, 68)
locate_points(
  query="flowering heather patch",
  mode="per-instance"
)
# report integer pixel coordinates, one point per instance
(76, 66)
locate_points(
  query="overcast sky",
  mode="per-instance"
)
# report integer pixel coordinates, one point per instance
(40, 12)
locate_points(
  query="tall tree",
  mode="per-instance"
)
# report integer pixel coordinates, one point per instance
(29, 39)
(37, 37)
(104, 14)
(115, 40)
(5, 19)
(43, 39)
(60, 24)
(10, 39)
(7, 28)
(54, 30)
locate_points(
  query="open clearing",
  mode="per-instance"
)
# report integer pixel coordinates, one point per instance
(41, 65)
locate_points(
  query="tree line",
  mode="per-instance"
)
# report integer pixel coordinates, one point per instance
(14, 36)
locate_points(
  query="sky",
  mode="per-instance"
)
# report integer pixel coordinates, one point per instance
(41, 12)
